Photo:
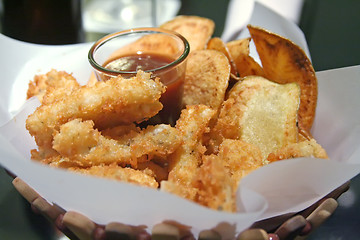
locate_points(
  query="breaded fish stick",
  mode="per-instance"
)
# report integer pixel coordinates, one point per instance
(192, 124)
(81, 143)
(184, 162)
(214, 185)
(116, 101)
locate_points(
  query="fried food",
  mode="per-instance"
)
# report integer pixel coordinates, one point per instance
(285, 62)
(217, 44)
(118, 173)
(197, 30)
(193, 123)
(260, 112)
(214, 185)
(56, 160)
(240, 158)
(206, 78)
(245, 64)
(151, 168)
(78, 141)
(183, 163)
(307, 148)
(121, 132)
(116, 101)
(51, 86)
(226, 130)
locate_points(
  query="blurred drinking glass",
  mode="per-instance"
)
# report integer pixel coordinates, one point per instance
(107, 16)
(43, 21)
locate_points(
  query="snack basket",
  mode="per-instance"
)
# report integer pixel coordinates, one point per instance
(288, 226)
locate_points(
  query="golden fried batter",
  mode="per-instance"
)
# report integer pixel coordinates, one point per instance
(51, 86)
(80, 142)
(119, 132)
(159, 172)
(214, 185)
(259, 112)
(225, 132)
(206, 78)
(307, 148)
(183, 163)
(240, 158)
(119, 173)
(116, 101)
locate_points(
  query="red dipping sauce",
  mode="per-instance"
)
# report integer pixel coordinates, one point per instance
(172, 78)
(156, 50)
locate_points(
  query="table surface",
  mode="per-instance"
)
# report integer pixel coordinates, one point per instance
(332, 44)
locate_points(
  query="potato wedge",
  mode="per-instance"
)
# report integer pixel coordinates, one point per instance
(259, 112)
(245, 64)
(216, 43)
(151, 44)
(206, 78)
(197, 30)
(285, 62)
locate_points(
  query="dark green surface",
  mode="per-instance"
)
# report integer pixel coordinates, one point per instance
(332, 31)
(331, 28)
(17, 221)
(215, 10)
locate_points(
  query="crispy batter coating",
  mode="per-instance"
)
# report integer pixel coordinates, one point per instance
(144, 177)
(120, 132)
(156, 141)
(116, 101)
(214, 185)
(240, 158)
(80, 142)
(116, 172)
(240, 51)
(183, 163)
(51, 86)
(307, 148)
(185, 191)
(59, 162)
(159, 172)
(193, 123)
(217, 179)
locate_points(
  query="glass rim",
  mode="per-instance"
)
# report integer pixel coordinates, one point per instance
(111, 36)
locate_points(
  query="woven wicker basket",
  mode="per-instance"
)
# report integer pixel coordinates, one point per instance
(289, 226)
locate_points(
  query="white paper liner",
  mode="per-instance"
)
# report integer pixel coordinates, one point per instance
(281, 187)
